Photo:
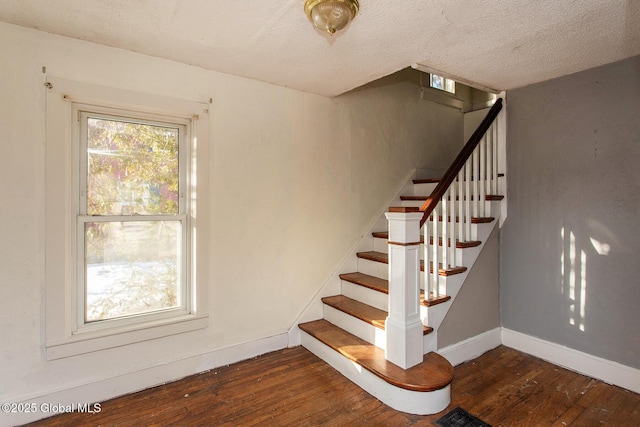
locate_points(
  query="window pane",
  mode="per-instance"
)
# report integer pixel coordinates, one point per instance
(131, 268)
(437, 81)
(132, 168)
(450, 85)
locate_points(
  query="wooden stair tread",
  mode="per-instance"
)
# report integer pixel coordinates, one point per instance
(487, 197)
(382, 285)
(384, 258)
(426, 181)
(435, 301)
(459, 244)
(371, 282)
(362, 311)
(434, 373)
(437, 180)
(474, 220)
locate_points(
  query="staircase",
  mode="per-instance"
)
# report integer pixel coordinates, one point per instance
(444, 223)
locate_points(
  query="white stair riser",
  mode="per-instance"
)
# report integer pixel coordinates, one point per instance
(430, 343)
(381, 245)
(364, 330)
(373, 268)
(423, 189)
(381, 270)
(492, 207)
(379, 300)
(355, 326)
(412, 203)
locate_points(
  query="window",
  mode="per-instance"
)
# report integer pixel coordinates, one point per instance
(132, 222)
(122, 222)
(442, 83)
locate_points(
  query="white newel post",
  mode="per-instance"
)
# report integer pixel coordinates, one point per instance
(404, 327)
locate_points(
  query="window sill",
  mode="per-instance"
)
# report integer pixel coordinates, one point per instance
(100, 340)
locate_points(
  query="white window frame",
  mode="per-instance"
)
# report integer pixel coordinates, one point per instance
(67, 333)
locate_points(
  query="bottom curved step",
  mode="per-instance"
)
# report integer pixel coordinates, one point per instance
(422, 389)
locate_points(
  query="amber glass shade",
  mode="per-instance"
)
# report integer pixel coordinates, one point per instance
(331, 15)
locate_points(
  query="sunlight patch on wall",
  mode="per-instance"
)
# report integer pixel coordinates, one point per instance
(601, 248)
(573, 269)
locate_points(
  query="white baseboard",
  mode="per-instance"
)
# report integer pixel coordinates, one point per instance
(130, 382)
(473, 347)
(592, 366)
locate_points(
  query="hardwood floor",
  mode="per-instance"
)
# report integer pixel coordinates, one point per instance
(292, 387)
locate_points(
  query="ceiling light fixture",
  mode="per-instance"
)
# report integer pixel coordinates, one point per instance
(331, 15)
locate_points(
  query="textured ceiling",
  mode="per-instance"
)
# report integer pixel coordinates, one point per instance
(497, 44)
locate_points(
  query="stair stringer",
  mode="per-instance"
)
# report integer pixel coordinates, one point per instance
(435, 315)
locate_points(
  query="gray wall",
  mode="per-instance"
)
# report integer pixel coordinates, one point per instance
(476, 308)
(570, 247)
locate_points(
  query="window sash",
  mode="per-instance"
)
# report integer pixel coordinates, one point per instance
(84, 113)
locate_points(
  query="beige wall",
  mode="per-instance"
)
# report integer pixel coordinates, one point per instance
(294, 179)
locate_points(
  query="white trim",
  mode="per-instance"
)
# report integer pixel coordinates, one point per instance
(577, 361)
(61, 204)
(130, 382)
(472, 347)
(89, 341)
(592, 366)
(426, 69)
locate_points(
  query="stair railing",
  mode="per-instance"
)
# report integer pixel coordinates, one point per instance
(459, 200)
(462, 194)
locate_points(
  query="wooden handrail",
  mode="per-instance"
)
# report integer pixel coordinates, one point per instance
(438, 192)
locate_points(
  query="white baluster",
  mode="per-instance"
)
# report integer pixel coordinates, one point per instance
(490, 164)
(435, 278)
(426, 235)
(482, 175)
(461, 196)
(467, 202)
(474, 177)
(451, 242)
(445, 226)
(494, 129)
